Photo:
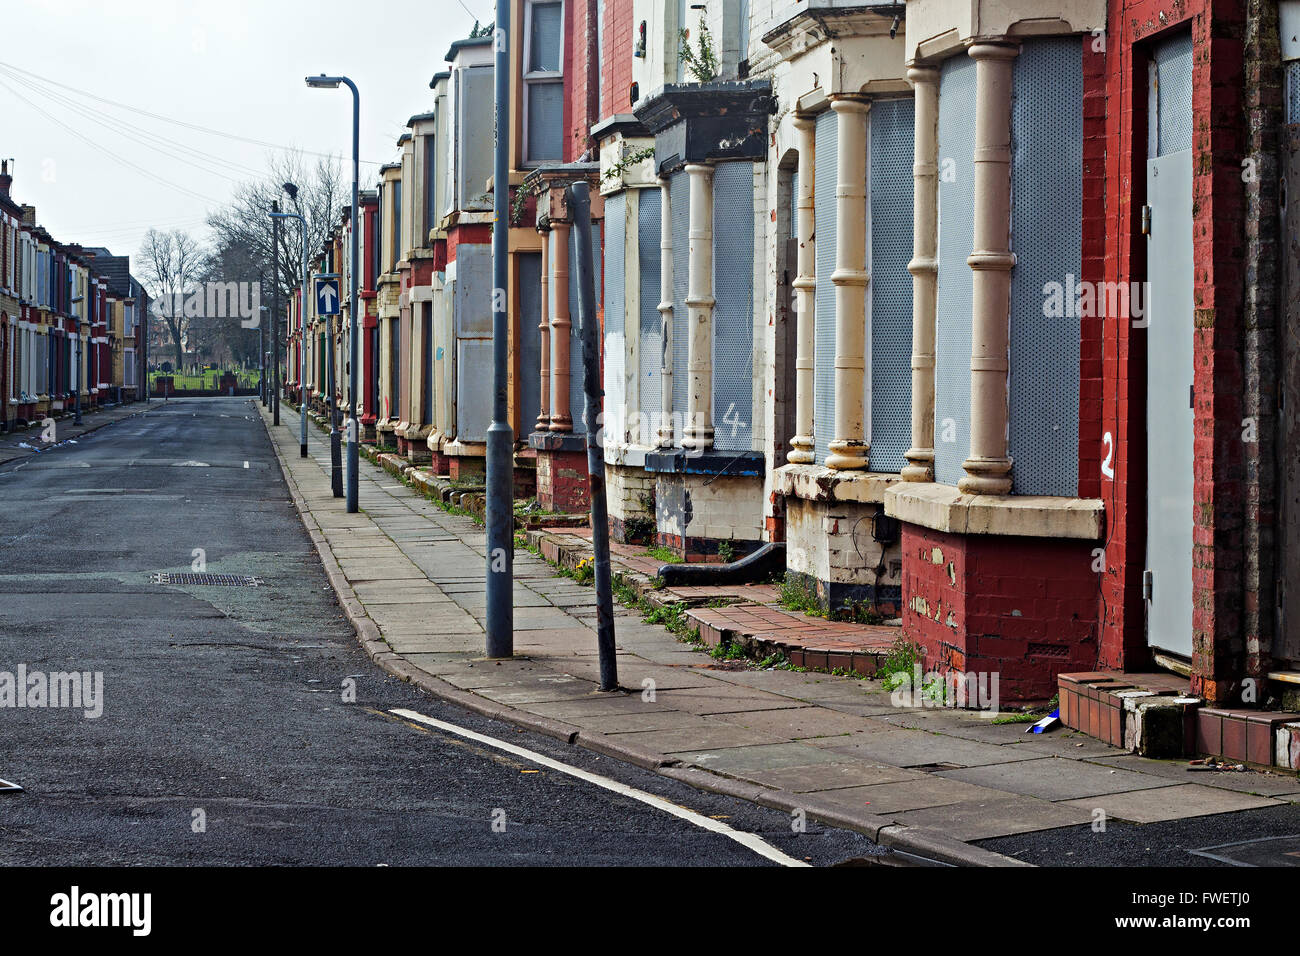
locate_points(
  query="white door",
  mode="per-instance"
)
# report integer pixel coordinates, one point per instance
(1169, 312)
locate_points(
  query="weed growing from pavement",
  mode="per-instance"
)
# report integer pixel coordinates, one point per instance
(798, 595)
(896, 669)
(728, 652)
(663, 555)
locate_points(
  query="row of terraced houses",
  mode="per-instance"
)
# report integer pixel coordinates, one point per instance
(985, 308)
(69, 315)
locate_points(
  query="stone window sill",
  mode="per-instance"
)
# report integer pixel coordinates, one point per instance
(819, 483)
(944, 508)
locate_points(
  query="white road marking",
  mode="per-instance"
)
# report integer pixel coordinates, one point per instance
(747, 840)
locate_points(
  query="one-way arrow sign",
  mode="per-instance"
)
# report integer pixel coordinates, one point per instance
(327, 295)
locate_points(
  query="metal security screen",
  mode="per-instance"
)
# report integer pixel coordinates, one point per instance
(615, 317)
(1047, 238)
(650, 353)
(733, 316)
(824, 177)
(956, 239)
(1173, 63)
(530, 355)
(890, 198)
(679, 191)
(1293, 91)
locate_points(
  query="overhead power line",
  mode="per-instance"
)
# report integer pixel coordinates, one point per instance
(167, 119)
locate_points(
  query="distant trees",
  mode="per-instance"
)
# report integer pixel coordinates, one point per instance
(239, 250)
(170, 264)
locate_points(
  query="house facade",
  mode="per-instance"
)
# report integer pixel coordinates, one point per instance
(978, 307)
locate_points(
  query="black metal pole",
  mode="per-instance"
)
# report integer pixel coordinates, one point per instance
(500, 437)
(275, 315)
(593, 390)
(261, 346)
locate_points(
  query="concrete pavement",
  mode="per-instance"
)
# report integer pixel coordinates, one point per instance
(935, 781)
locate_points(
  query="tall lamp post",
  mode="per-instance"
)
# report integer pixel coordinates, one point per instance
(292, 190)
(500, 437)
(330, 83)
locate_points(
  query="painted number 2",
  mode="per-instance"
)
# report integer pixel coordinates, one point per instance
(1108, 463)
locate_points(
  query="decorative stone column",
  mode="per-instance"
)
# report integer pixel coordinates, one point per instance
(561, 419)
(924, 268)
(698, 430)
(988, 469)
(848, 445)
(805, 284)
(544, 340)
(665, 431)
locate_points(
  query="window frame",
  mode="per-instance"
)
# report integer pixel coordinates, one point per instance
(529, 79)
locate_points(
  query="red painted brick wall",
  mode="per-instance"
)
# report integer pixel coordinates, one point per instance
(1091, 380)
(1218, 146)
(562, 483)
(616, 71)
(473, 234)
(1024, 608)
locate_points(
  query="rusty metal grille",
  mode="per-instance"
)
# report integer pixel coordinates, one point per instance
(206, 580)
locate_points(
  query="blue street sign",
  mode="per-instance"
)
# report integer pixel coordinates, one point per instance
(327, 295)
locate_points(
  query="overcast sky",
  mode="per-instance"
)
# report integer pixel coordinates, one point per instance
(235, 66)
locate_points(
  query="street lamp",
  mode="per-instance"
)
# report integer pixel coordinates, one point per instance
(292, 190)
(324, 82)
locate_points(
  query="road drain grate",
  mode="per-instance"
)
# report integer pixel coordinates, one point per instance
(216, 580)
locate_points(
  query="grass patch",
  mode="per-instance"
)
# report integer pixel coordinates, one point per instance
(663, 555)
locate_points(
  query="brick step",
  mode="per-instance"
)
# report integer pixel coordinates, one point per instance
(762, 630)
(1154, 715)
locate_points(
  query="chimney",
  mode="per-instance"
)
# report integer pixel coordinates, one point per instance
(6, 180)
(29, 215)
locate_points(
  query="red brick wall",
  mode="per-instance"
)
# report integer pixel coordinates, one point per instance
(616, 72)
(562, 483)
(1093, 264)
(1024, 608)
(473, 234)
(1218, 146)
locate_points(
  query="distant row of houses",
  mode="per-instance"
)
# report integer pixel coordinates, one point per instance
(69, 317)
(981, 307)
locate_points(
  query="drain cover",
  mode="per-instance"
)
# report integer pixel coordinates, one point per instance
(1266, 851)
(216, 580)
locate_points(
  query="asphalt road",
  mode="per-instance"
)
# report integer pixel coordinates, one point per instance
(225, 738)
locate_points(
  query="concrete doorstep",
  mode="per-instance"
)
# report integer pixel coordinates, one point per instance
(409, 573)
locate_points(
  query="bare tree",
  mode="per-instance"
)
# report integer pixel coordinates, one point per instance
(246, 223)
(170, 261)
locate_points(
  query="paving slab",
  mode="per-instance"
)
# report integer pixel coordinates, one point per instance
(797, 723)
(630, 723)
(710, 736)
(1172, 803)
(1055, 778)
(914, 748)
(825, 776)
(999, 816)
(927, 790)
(720, 700)
(771, 757)
(1282, 785)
